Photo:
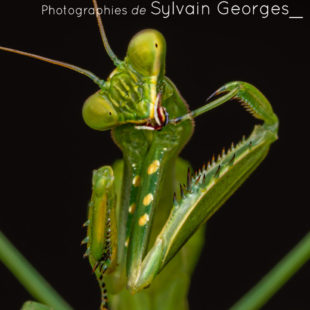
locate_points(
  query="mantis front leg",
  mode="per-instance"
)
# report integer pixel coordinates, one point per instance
(208, 189)
(101, 228)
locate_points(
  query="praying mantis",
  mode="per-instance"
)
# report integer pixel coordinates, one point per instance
(139, 231)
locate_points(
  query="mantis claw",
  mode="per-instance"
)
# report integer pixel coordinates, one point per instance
(215, 93)
(253, 101)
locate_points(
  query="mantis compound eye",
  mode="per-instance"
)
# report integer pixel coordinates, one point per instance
(99, 114)
(147, 51)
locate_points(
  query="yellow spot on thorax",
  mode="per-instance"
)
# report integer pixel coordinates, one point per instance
(153, 167)
(148, 199)
(136, 181)
(143, 219)
(132, 208)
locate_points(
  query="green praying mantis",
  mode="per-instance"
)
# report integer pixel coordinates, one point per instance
(146, 217)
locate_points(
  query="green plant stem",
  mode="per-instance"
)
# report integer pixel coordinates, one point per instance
(35, 284)
(276, 278)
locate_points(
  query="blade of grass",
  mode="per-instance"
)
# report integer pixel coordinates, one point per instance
(31, 305)
(276, 278)
(34, 283)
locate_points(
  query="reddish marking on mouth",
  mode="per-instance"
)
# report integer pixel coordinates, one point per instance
(160, 117)
(161, 114)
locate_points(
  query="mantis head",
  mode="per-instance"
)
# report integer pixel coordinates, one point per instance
(145, 60)
(146, 57)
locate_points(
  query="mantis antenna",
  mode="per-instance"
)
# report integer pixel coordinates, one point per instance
(87, 73)
(104, 38)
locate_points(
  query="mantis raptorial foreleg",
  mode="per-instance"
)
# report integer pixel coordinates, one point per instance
(249, 96)
(101, 231)
(210, 188)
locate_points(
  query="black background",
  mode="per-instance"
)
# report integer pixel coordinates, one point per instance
(48, 153)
